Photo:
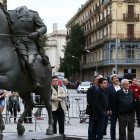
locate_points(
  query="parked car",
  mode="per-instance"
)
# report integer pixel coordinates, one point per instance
(84, 86)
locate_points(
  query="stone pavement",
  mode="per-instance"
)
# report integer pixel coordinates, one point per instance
(72, 129)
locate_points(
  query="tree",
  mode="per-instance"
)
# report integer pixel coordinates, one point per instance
(73, 51)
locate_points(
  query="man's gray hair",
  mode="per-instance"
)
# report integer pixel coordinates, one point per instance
(123, 81)
(65, 79)
(112, 76)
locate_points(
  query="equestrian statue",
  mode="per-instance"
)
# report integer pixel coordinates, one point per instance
(23, 68)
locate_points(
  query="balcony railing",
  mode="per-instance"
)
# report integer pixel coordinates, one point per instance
(101, 23)
(89, 31)
(131, 18)
(106, 3)
(109, 18)
(112, 37)
(97, 9)
(104, 21)
(131, 1)
(111, 62)
(122, 61)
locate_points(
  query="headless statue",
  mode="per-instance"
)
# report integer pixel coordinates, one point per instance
(27, 28)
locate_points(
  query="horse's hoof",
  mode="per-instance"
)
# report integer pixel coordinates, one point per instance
(20, 129)
(1, 137)
(2, 126)
(1, 134)
(49, 132)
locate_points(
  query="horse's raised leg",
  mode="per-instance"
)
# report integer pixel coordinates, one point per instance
(28, 99)
(46, 101)
(2, 126)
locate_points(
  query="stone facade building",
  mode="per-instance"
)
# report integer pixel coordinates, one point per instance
(112, 34)
(56, 42)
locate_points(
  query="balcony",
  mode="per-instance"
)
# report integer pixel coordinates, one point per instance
(131, 1)
(92, 65)
(122, 61)
(112, 37)
(97, 10)
(109, 18)
(108, 62)
(131, 18)
(106, 3)
(101, 23)
(89, 31)
(104, 21)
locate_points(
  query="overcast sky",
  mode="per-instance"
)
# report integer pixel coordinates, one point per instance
(52, 11)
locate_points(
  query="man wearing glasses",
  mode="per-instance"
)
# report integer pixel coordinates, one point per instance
(58, 105)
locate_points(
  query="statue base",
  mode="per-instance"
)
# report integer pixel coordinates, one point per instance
(32, 136)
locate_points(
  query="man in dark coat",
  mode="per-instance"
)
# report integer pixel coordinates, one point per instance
(27, 28)
(89, 111)
(112, 90)
(124, 108)
(100, 109)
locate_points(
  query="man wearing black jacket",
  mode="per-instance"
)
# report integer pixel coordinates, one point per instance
(89, 111)
(100, 109)
(112, 90)
(124, 108)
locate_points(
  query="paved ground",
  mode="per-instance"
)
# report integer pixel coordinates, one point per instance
(73, 129)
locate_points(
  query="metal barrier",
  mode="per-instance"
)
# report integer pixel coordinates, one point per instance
(77, 104)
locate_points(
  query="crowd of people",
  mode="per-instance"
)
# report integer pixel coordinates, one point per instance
(118, 101)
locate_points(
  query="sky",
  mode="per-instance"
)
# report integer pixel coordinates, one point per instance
(51, 11)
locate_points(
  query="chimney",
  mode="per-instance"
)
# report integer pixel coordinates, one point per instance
(54, 27)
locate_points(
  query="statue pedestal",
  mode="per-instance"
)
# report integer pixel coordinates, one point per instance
(32, 136)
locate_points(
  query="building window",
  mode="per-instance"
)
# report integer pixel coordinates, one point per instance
(129, 73)
(130, 52)
(130, 31)
(130, 11)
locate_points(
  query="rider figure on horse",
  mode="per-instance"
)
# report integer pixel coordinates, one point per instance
(27, 28)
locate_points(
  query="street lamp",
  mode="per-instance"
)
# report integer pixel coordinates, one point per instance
(116, 41)
(88, 51)
(74, 57)
(116, 44)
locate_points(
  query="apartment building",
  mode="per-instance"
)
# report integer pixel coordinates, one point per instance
(112, 34)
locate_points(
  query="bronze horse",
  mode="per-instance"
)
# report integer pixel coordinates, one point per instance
(13, 78)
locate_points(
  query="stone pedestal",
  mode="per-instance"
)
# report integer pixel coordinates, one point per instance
(32, 136)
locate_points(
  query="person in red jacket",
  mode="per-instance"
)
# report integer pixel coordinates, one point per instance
(136, 94)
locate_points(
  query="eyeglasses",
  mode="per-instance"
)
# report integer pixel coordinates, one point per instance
(54, 80)
(126, 83)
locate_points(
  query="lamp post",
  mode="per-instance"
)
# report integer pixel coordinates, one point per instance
(116, 44)
(74, 57)
(116, 40)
